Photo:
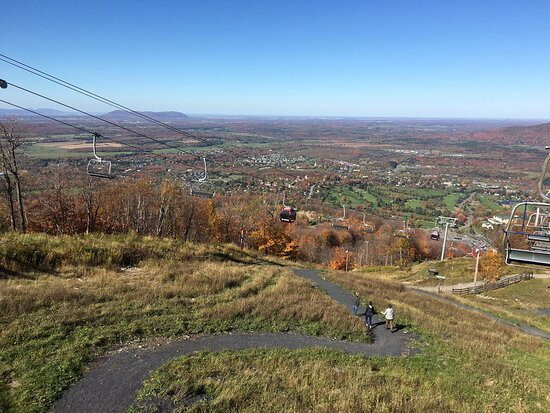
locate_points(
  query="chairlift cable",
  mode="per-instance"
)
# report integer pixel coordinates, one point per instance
(79, 128)
(99, 118)
(78, 89)
(106, 137)
(139, 134)
(85, 92)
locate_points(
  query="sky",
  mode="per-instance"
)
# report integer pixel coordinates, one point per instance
(384, 58)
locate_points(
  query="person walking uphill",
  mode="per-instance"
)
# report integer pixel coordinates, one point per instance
(369, 312)
(356, 304)
(389, 313)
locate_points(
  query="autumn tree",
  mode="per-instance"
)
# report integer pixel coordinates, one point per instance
(490, 265)
(339, 258)
(213, 221)
(168, 192)
(57, 210)
(271, 238)
(11, 140)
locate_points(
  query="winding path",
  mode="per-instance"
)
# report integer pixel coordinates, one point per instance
(110, 384)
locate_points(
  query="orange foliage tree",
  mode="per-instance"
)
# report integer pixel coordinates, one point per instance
(272, 239)
(490, 265)
(338, 261)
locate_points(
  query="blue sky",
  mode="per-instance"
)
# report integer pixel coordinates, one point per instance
(307, 58)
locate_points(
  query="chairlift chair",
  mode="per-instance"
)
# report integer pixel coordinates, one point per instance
(527, 234)
(368, 227)
(403, 233)
(287, 214)
(98, 167)
(342, 226)
(202, 194)
(523, 243)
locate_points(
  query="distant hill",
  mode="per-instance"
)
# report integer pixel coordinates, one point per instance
(160, 116)
(534, 132)
(533, 135)
(18, 113)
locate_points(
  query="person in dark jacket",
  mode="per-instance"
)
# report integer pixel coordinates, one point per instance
(369, 312)
(356, 304)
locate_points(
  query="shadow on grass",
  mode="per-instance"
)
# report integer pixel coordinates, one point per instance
(6, 273)
(247, 259)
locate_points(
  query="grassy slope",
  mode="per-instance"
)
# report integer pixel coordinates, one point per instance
(517, 302)
(451, 200)
(467, 364)
(468, 360)
(456, 271)
(54, 322)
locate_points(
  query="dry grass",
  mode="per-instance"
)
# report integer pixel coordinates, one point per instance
(290, 298)
(517, 302)
(313, 380)
(32, 252)
(456, 271)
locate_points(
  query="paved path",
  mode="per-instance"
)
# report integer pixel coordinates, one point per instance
(110, 384)
(397, 340)
(521, 326)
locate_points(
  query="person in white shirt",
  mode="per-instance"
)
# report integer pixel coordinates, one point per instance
(388, 313)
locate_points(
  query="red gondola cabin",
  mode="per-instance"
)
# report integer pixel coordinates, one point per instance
(288, 214)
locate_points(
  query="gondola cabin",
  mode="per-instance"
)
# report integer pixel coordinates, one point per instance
(288, 214)
(434, 235)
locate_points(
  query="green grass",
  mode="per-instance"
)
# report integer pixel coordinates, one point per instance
(451, 200)
(413, 203)
(456, 270)
(489, 202)
(53, 322)
(352, 197)
(367, 196)
(48, 152)
(467, 364)
(432, 201)
(311, 380)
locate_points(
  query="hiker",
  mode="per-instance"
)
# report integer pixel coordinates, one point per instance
(369, 312)
(356, 304)
(388, 313)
